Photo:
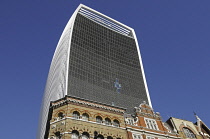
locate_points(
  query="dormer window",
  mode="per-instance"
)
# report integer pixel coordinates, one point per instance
(151, 124)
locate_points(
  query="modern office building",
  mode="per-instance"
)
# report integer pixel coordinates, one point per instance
(97, 59)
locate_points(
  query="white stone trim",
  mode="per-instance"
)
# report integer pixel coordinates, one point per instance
(88, 103)
(142, 68)
(92, 10)
(150, 132)
(153, 123)
(72, 118)
(137, 134)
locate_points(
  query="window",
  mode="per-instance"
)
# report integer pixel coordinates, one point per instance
(109, 137)
(188, 133)
(98, 119)
(148, 137)
(107, 121)
(85, 135)
(116, 123)
(154, 124)
(151, 124)
(85, 116)
(60, 115)
(75, 134)
(100, 137)
(76, 115)
(136, 136)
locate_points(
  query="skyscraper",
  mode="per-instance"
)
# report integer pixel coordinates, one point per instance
(98, 59)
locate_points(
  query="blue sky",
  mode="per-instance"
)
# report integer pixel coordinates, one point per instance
(174, 44)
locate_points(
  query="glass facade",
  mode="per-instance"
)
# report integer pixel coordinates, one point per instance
(99, 57)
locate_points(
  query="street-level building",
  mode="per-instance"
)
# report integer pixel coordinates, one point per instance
(74, 118)
(147, 124)
(186, 129)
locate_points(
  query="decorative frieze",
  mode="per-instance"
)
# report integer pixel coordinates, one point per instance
(91, 104)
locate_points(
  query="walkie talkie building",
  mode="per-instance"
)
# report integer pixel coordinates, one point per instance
(98, 59)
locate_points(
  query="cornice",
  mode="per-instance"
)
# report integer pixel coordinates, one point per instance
(67, 100)
(71, 118)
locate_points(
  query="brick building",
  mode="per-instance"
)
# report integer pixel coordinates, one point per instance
(75, 118)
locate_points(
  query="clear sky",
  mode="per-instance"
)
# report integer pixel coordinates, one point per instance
(174, 42)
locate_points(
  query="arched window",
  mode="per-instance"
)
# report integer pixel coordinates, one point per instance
(98, 119)
(76, 114)
(188, 133)
(109, 137)
(95, 134)
(75, 134)
(85, 135)
(85, 116)
(107, 121)
(60, 115)
(116, 123)
(100, 137)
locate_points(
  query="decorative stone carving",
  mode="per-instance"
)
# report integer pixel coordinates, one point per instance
(63, 123)
(53, 126)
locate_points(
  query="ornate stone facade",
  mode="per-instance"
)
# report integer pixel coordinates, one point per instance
(74, 115)
(187, 129)
(76, 118)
